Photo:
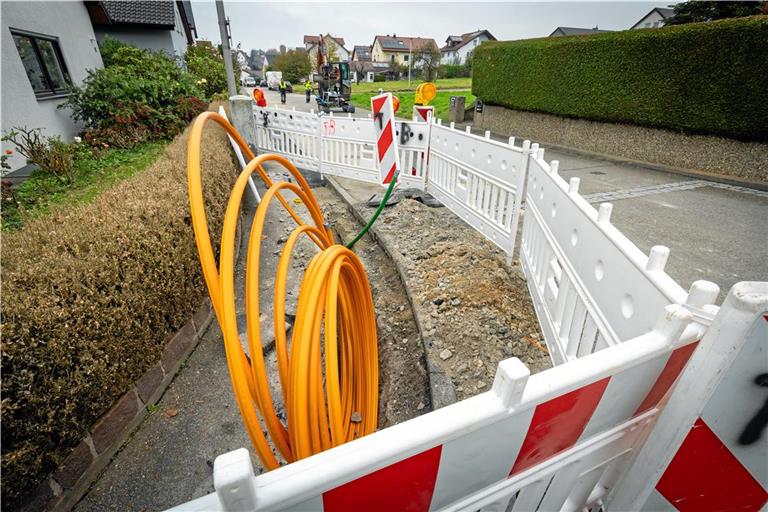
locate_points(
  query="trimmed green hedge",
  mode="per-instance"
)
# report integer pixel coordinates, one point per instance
(701, 77)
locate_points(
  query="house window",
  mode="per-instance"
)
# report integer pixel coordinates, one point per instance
(405, 58)
(43, 62)
(391, 58)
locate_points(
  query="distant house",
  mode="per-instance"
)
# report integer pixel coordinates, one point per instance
(457, 48)
(155, 25)
(654, 19)
(393, 49)
(269, 59)
(572, 31)
(46, 45)
(330, 43)
(361, 53)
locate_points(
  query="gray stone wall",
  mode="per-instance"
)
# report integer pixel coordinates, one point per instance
(718, 155)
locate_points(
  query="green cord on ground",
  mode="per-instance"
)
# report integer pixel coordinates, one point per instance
(377, 212)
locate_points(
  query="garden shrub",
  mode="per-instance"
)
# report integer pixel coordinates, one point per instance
(206, 65)
(700, 77)
(91, 293)
(141, 95)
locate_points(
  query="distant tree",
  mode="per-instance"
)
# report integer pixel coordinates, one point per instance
(294, 65)
(696, 11)
(331, 55)
(427, 58)
(359, 68)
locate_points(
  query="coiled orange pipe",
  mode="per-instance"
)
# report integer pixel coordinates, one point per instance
(335, 321)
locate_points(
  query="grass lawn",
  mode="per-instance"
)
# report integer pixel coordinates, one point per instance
(41, 191)
(441, 102)
(402, 85)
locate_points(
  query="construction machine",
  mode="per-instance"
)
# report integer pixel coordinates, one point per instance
(334, 87)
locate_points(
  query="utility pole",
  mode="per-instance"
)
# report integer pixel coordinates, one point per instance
(225, 48)
(409, 66)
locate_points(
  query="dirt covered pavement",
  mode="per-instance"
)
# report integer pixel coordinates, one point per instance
(473, 308)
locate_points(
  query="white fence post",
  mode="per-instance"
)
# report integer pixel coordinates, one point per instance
(233, 481)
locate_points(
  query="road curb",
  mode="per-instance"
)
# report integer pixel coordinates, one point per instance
(441, 389)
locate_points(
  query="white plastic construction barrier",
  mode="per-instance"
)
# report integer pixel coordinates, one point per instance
(544, 442)
(293, 134)
(479, 179)
(590, 285)
(342, 146)
(715, 457)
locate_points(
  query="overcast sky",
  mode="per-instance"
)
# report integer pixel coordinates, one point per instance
(269, 24)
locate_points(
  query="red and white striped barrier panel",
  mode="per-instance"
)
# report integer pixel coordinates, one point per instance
(423, 113)
(545, 441)
(709, 450)
(386, 138)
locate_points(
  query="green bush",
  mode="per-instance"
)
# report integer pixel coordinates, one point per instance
(108, 47)
(455, 71)
(91, 293)
(700, 78)
(142, 95)
(206, 64)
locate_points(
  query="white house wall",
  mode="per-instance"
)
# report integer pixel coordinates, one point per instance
(67, 21)
(464, 51)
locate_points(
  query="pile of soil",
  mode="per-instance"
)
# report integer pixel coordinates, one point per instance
(475, 309)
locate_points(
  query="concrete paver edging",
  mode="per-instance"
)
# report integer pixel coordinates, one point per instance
(441, 387)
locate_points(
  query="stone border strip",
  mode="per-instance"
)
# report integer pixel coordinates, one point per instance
(441, 388)
(632, 193)
(71, 480)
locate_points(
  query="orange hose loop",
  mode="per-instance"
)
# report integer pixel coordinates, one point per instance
(335, 320)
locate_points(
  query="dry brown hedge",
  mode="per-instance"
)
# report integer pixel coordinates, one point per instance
(90, 295)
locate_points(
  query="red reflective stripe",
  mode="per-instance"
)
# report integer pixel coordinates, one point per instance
(705, 476)
(405, 485)
(378, 103)
(390, 174)
(675, 364)
(385, 140)
(557, 424)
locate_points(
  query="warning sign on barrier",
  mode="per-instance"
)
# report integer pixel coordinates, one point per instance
(386, 137)
(422, 113)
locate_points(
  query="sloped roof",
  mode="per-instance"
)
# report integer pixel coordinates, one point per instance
(664, 12)
(465, 39)
(362, 52)
(574, 31)
(316, 39)
(140, 12)
(403, 44)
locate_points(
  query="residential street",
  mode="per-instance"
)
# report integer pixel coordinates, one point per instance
(710, 228)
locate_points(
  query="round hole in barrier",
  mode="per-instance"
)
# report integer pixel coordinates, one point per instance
(503, 165)
(627, 306)
(541, 193)
(554, 209)
(456, 147)
(473, 153)
(574, 237)
(490, 159)
(599, 270)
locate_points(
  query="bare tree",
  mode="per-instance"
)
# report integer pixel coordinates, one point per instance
(427, 58)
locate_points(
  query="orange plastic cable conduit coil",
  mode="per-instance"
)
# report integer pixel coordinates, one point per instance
(335, 308)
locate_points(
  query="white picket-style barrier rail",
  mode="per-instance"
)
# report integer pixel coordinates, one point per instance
(641, 366)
